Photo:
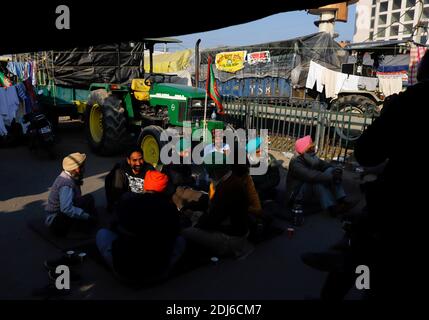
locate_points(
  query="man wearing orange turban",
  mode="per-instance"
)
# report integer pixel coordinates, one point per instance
(155, 181)
(146, 244)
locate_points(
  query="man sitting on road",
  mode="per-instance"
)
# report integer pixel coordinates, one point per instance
(146, 243)
(223, 229)
(66, 207)
(265, 183)
(126, 177)
(311, 178)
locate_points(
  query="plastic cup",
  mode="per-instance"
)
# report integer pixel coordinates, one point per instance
(70, 254)
(214, 259)
(82, 256)
(290, 232)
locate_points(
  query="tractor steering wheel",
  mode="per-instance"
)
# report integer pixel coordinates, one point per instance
(147, 81)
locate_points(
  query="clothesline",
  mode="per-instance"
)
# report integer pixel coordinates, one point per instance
(333, 82)
(23, 70)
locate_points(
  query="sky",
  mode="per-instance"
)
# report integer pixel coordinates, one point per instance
(281, 26)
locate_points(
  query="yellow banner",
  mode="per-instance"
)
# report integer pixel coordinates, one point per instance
(230, 61)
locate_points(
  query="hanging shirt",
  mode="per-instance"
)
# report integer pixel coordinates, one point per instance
(9, 103)
(315, 76)
(22, 92)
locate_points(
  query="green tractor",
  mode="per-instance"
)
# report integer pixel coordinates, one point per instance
(116, 115)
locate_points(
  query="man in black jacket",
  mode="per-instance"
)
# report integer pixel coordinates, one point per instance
(126, 177)
(310, 178)
(146, 243)
(394, 201)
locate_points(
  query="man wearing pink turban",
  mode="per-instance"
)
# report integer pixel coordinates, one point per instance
(312, 180)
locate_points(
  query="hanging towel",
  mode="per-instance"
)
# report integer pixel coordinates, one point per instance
(351, 83)
(390, 85)
(329, 81)
(333, 82)
(341, 78)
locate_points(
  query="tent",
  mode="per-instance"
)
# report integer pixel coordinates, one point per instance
(97, 22)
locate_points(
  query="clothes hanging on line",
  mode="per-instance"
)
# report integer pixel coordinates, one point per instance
(315, 76)
(9, 103)
(390, 84)
(416, 54)
(325, 78)
(23, 70)
(351, 83)
(333, 82)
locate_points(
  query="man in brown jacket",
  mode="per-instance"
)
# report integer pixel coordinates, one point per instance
(223, 229)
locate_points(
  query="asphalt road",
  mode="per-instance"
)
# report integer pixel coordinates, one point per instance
(273, 271)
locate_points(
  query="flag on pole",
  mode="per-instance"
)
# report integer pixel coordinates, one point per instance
(211, 87)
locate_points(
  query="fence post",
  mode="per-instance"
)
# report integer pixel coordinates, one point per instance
(318, 127)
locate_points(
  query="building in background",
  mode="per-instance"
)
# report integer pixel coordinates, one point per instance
(330, 14)
(391, 20)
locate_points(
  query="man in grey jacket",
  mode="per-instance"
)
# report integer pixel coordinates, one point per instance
(66, 206)
(311, 179)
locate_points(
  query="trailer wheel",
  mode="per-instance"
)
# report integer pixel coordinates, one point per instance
(348, 106)
(151, 144)
(105, 123)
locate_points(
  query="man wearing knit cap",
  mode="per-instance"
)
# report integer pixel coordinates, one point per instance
(146, 244)
(66, 207)
(310, 178)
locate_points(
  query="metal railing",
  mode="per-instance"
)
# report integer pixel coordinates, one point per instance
(288, 119)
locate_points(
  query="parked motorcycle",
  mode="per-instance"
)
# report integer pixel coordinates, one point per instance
(40, 133)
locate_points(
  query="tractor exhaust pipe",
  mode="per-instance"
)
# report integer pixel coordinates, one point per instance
(197, 63)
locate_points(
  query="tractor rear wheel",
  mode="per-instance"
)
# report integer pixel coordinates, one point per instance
(347, 107)
(151, 144)
(105, 123)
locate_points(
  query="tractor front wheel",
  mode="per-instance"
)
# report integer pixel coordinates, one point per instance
(151, 144)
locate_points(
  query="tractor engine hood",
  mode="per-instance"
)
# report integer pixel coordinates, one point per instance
(178, 91)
